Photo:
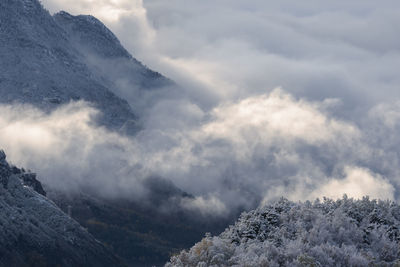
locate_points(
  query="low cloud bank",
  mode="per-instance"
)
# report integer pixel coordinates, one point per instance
(235, 156)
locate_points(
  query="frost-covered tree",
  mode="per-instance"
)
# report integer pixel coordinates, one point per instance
(345, 232)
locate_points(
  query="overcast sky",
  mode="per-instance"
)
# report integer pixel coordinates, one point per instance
(292, 98)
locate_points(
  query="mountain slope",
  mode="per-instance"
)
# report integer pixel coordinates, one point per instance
(345, 232)
(44, 63)
(112, 64)
(35, 232)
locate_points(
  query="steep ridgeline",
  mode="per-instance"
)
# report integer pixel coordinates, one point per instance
(41, 62)
(112, 64)
(35, 232)
(345, 232)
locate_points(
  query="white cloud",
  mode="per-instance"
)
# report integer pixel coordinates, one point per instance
(207, 206)
(358, 182)
(228, 157)
(66, 148)
(277, 115)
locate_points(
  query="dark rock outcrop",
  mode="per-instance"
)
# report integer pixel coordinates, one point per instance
(4, 169)
(27, 178)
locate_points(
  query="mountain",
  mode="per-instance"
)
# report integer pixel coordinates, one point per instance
(345, 232)
(35, 232)
(47, 61)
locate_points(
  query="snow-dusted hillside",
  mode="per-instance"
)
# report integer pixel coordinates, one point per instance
(35, 232)
(345, 232)
(44, 62)
(112, 64)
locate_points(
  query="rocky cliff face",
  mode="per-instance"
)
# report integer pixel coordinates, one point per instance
(35, 232)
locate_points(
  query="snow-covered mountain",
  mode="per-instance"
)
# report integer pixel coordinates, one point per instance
(345, 232)
(35, 232)
(47, 61)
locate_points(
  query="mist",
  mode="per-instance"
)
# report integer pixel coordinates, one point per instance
(235, 156)
(290, 100)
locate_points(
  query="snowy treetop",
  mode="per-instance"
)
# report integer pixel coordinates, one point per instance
(345, 232)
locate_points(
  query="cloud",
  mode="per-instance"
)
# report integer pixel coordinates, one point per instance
(276, 114)
(206, 206)
(228, 136)
(245, 48)
(66, 148)
(357, 183)
(229, 158)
